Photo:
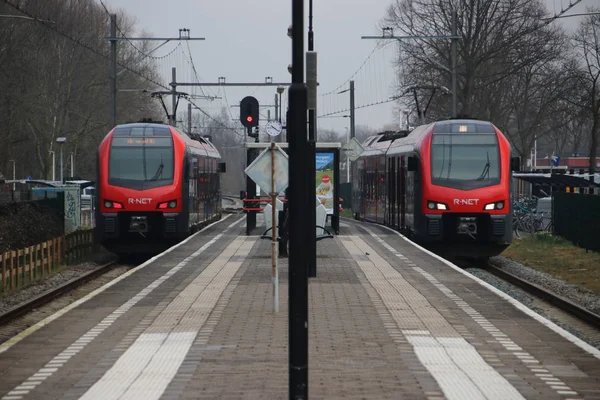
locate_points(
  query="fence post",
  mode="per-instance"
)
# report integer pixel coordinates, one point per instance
(31, 276)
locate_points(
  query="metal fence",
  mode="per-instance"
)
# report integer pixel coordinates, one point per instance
(576, 217)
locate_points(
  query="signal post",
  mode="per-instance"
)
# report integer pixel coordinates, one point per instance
(249, 117)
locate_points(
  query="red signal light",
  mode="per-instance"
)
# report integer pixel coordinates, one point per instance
(249, 118)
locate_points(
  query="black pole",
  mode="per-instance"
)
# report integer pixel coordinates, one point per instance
(311, 239)
(298, 278)
(250, 188)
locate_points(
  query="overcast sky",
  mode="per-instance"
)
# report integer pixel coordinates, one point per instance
(247, 41)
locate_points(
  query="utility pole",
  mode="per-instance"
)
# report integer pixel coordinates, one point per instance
(352, 130)
(352, 111)
(311, 85)
(189, 118)
(72, 166)
(298, 274)
(454, 43)
(174, 96)
(113, 70)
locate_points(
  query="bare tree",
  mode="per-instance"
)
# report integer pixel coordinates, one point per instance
(363, 131)
(505, 34)
(532, 97)
(586, 72)
(330, 136)
(55, 83)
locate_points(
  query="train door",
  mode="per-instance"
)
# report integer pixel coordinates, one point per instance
(402, 191)
(391, 190)
(202, 177)
(371, 179)
(381, 190)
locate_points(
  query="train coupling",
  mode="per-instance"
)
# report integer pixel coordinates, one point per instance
(467, 226)
(138, 224)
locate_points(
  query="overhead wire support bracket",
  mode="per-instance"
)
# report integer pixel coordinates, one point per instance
(159, 94)
(233, 84)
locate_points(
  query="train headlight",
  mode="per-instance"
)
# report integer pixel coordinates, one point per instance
(499, 205)
(167, 204)
(113, 204)
(433, 205)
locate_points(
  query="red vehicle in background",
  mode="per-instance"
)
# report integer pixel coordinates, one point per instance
(446, 185)
(155, 186)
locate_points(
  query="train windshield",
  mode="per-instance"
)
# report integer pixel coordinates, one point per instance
(465, 161)
(141, 162)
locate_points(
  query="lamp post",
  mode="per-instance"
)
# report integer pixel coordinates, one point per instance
(53, 164)
(61, 141)
(280, 90)
(14, 174)
(72, 166)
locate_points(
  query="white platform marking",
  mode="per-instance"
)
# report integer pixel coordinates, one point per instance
(110, 319)
(145, 370)
(452, 361)
(481, 320)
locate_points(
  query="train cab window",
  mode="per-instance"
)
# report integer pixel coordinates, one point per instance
(465, 161)
(141, 162)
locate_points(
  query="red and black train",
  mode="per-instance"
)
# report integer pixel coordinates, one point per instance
(446, 185)
(155, 186)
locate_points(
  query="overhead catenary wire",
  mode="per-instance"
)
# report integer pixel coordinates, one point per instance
(80, 43)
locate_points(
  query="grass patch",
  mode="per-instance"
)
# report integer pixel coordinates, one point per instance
(559, 258)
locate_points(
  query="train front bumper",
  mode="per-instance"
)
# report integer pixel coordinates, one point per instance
(140, 226)
(454, 227)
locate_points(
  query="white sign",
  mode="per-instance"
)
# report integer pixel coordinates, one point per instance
(260, 170)
(273, 128)
(353, 149)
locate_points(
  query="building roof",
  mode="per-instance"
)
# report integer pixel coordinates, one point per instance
(556, 180)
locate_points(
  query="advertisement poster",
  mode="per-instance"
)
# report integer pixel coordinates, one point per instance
(324, 180)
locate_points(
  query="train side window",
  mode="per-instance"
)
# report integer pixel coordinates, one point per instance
(412, 164)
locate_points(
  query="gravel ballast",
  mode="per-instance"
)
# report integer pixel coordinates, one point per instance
(11, 300)
(577, 294)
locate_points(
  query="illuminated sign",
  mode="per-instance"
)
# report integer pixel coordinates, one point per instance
(141, 141)
(462, 128)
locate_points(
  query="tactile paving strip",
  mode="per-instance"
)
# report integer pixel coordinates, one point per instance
(54, 365)
(457, 367)
(148, 366)
(532, 363)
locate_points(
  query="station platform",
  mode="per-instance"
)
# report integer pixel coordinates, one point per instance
(387, 320)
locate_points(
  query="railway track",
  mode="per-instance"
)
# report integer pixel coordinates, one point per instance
(557, 301)
(30, 312)
(53, 293)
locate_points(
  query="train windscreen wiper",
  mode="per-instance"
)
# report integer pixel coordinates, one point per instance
(159, 171)
(486, 168)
